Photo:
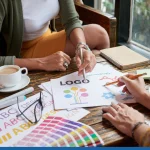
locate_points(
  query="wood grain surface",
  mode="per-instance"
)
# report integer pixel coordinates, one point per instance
(109, 134)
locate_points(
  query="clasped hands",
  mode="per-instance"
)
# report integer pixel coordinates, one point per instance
(60, 61)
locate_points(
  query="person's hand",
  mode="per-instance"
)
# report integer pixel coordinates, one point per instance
(135, 87)
(55, 62)
(88, 64)
(123, 117)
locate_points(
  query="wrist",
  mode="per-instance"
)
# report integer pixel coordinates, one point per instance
(140, 131)
(82, 45)
(136, 127)
(40, 63)
(145, 99)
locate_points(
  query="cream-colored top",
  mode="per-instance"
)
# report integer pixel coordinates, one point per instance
(37, 15)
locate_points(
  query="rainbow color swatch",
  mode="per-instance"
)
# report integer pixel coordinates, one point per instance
(60, 132)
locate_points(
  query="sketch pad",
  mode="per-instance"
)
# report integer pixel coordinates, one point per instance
(124, 58)
(71, 91)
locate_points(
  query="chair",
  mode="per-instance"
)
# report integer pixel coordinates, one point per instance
(90, 15)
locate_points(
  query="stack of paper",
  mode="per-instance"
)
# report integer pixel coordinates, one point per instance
(71, 91)
(66, 95)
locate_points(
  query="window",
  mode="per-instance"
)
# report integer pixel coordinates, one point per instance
(140, 23)
(106, 6)
(133, 21)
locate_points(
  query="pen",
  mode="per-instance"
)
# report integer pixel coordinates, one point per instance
(132, 78)
(21, 93)
(11, 102)
(82, 60)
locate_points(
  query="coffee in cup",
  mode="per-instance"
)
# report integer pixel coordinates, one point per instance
(11, 75)
(9, 70)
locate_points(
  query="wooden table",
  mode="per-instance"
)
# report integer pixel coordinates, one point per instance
(109, 134)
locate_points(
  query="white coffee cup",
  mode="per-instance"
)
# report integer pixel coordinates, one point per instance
(11, 75)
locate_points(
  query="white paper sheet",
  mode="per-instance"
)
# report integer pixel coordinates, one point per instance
(72, 91)
(13, 129)
(47, 86)
(44, 88)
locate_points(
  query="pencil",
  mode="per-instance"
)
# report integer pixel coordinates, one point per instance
(81, 55)
(132, 78)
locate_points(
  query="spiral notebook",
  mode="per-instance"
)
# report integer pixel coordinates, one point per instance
(124, 58)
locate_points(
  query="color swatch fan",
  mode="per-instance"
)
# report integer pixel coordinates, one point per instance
(59, 132)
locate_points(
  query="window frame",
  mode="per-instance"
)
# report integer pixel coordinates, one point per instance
(98, 5)
(123, 15)
(131, 29)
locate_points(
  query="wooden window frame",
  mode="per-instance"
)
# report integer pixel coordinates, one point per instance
(122, 14)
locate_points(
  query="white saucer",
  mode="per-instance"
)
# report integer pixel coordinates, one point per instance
(23, 83)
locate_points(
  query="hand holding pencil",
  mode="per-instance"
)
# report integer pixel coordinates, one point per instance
(85, 61)
(134, 85)
(132, 77)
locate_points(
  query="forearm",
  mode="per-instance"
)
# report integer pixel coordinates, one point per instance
(29, 63)
(145, 100)
(77, 36)
(140, 134)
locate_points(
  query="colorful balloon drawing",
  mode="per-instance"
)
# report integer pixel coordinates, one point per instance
(68, 96)
(84, 95)
(67, 91)
(83, 90)
(77, 94)
(74, 89)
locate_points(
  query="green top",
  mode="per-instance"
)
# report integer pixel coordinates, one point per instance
(11, 26)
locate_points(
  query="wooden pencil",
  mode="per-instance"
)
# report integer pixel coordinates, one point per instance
(132, 78)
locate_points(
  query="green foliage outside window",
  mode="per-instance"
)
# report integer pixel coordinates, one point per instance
(141, 22)
(109, 6)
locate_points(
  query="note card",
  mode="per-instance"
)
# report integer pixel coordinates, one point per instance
(72, 91)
